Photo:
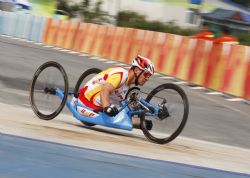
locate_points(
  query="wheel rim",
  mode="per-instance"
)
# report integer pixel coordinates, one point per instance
(47, 78)
(165, 130)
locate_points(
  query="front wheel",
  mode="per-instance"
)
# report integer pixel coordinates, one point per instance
(44, 102)
(173, 116)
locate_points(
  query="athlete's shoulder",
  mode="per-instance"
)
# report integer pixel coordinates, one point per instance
(119, 69)
(120, 73)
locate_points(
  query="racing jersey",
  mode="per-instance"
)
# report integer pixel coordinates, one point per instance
(90, 94)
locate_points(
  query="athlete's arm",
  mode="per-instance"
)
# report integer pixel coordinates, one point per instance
(105, 93)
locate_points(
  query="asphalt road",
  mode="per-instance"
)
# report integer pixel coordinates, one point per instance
(211, 117)
(58, 160)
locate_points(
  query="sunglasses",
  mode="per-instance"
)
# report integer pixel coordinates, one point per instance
(147, 75)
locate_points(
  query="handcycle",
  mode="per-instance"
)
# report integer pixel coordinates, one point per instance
(166, 105)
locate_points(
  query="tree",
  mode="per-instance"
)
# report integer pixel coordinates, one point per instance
(64, 8)
(87, 11)
(242, 2)
(93, 14)
(135, 20)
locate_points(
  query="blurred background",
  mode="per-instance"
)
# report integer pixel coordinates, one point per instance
(82, 34)
(183, 17)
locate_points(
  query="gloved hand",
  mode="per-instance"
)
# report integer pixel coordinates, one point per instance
(111, 110)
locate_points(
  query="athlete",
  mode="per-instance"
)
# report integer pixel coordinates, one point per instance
(205, 33)
(110, 86)
(226, 37)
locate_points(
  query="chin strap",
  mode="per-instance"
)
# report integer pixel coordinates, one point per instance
(137, 77)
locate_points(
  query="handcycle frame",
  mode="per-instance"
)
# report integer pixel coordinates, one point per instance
(123, 120)
(131, 106)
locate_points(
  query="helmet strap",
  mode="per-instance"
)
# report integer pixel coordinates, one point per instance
(137, 77)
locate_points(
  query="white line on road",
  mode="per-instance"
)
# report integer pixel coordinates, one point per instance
(57, 48)
(28, 41)
(73, 52)
(64, 50)
(95, 58)
(166, 77)
(180, 82)
(235, 99)
(24, 40)
(111, 62)
(101, 59)
(197, 88)
(83, 54)
(214, 93)
(206, 97)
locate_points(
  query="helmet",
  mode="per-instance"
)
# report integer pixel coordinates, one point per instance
(144, 64)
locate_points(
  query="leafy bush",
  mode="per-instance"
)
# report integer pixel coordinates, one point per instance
(86, 10)
(244, 38)
(63, 6)
(135, 20)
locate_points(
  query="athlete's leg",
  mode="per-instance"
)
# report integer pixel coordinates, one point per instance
(137, 125)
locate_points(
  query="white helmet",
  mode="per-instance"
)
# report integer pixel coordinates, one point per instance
(144, 64)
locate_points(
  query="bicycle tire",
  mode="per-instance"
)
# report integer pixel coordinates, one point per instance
(184, 98)
(53, 65)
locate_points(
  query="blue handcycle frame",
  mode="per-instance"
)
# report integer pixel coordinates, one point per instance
(123, 120)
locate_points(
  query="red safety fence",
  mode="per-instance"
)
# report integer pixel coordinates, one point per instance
(221, 67)
(61, 34)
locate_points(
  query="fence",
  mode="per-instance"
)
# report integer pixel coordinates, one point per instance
(221, 67)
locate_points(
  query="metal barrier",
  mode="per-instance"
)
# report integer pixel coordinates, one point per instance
(21, 25)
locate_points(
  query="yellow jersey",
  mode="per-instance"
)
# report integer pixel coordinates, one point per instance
(90, 94)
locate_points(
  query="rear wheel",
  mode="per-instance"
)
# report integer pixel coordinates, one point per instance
(83, 79)
(173, 116)
(44, 102)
